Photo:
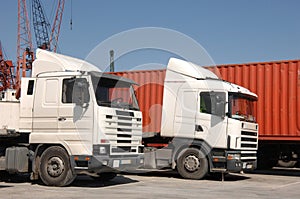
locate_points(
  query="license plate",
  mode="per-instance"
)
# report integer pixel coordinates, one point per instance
(125, 161)
(116, 163)
(249, 166)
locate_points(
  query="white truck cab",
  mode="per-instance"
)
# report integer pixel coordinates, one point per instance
(70, 119)
(202, 111)
(206, 124)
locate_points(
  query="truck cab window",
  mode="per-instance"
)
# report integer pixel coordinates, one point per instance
(30, 87)
(213, 103)
(205, 102)
(241, 107)
(115, 93)
(67, 90)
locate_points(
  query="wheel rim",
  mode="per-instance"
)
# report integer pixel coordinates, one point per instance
(191, 163)
(55, 166)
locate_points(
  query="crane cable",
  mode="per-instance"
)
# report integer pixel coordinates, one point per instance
(71, 23)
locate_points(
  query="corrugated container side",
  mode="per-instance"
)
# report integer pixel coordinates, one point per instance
(277, 85)
(149, 94)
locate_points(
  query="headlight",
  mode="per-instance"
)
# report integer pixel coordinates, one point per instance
(233, 156)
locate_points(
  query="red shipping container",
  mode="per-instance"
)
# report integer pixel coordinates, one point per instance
(149, 94)
(277, 85)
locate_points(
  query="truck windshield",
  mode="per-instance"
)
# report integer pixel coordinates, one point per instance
(114, 93)
(241, 107)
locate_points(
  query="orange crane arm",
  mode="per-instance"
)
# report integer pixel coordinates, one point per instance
(24, 42)
(56, 25)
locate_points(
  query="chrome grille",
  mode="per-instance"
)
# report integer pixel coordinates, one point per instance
(249, 142)
(123, 130)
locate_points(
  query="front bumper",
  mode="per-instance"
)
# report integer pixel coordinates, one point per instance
(238, 164)
(249, 165)
(100, 163)
(231, 162)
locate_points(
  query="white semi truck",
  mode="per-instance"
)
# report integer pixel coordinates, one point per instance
(67, 122)
(195, 122)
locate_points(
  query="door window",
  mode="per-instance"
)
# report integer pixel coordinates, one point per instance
(213, 103)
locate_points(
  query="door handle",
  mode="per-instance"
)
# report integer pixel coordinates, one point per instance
(61, 119)
(198, 128)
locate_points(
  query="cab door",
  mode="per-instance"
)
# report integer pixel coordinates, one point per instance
(45, 108)
(75, 114)
(211, 122)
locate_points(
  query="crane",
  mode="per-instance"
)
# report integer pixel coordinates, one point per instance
(24, 43)
(6, 77)
(56, 25)
(41, 25)
(25, 55)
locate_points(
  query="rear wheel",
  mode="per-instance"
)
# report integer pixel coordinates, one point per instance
(287, 164)
(55, 168)
(192, 164)
(287, 159)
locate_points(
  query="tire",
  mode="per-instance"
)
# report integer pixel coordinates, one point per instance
(192, 164)
(288, 159)
(105, 176)
(55, 168)
(287, 164)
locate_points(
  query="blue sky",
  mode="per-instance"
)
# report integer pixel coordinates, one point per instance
(232, 31)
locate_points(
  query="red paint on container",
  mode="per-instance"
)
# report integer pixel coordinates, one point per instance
(277, 85)
(149, 94)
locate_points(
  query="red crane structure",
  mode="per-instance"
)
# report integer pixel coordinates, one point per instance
(6, 75)
(56, 25)
(25, 55)
(24, 43)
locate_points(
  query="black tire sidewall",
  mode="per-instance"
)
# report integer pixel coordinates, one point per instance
(200, 173)
(66, 177)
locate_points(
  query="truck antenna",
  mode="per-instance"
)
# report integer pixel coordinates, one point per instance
(112, 61)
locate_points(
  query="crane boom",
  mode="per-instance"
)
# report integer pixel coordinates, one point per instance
(24, 42)
(40, 25)
(56, 25)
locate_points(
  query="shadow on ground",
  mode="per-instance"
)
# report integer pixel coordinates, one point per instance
(278, 171)
(86, 181)
(174, 174)
(80, 181)
(13, 178)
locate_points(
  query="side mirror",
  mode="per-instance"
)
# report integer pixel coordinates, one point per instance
(220, 109)
(220, 104)
(81, 93)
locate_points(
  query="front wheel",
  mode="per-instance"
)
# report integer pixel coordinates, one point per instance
(192, 164)
(55, 168)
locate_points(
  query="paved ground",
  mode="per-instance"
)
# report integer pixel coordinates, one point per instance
(261, 184)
